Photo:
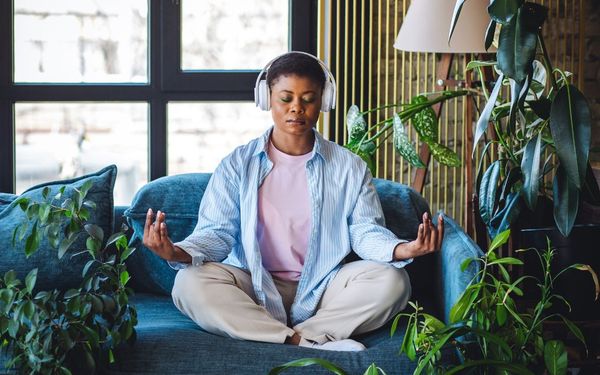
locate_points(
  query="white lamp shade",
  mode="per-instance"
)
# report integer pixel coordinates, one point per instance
(427, 23)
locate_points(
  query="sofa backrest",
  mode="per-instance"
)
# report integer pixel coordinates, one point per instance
(179, 197)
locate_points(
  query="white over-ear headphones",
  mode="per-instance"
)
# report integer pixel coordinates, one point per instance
(262, 92)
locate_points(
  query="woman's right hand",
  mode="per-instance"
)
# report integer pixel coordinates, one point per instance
(156, 237)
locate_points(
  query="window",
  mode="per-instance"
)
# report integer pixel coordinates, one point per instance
(155, 87)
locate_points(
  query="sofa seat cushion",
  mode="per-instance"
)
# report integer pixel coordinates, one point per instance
(54, 273)
(170, 343)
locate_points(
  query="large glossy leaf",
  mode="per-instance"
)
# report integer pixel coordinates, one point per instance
(487, 192)
(444, 155)
(457, 8)
(516, 49)
(503, 219)
(566, 201)
(530, 165)
(518, 95)
(502, 11)
(555, 357)
(484, 119)
(541, 107)
(403, 145)
(570, 124)
(425, 121)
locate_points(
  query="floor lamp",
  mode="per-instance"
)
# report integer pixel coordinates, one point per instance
(425, 28)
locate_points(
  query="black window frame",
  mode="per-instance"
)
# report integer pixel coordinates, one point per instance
(167, 82)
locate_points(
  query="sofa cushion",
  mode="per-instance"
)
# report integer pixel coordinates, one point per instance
(179, 198)
(56, 273)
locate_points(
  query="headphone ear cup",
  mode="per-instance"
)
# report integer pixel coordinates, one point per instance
(326, 98)
(261, 96)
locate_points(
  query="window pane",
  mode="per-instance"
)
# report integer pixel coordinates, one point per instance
(201, 134)
(63, 140)
(232, 34)
(81, 41)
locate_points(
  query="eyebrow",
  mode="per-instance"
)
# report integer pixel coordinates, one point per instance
(306, 92)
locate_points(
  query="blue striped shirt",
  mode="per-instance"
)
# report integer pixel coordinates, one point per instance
(345, 215)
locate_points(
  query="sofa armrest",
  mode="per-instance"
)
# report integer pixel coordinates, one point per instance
(456, 247)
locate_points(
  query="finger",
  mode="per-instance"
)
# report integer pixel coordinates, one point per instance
(426, 228)
(440, 231)
(164, 234)
(148, 222)
(420, 233)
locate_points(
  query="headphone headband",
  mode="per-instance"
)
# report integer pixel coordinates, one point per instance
(262, 92)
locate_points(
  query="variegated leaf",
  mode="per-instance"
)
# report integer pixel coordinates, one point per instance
(425, 121)
(403, 145)
(444, 155)
(356, 124)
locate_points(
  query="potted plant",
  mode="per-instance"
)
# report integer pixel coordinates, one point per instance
(75, 330)
(534, 169)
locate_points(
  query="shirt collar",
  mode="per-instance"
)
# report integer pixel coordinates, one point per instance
(263, 144)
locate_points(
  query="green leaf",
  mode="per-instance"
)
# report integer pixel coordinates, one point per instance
(13, 328)
(65, 244)
(71, 293)
(575, 330)
(478, 63)
(94, 231)
(444, 155)
(19, 232)
(570, 124)
(484, 118)
(93, 245)
(111, 356)
(530, 165)
(87, 185)
(487, 192)
(303, 362)
(555, 357)
(499, 240)
(541, 107)
(403, 145)
(456, 13)
(355, 124)
(124, 277)
(33, 241)
(516, 48)
(29, 309)
(126, 253)
(502, 11)
(490, 32)
(436, 348)
(30, 279)
(566, 201)
(507, 215)
(425, 121)
(501, 315)
(466, 263)
(511, 368)
(506, 260)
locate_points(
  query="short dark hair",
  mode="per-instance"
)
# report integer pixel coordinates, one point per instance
(299, 64)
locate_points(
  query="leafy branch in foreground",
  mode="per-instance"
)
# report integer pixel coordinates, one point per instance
(486, 326)
(73, 331)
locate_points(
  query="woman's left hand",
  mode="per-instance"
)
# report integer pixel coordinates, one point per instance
(429, 239)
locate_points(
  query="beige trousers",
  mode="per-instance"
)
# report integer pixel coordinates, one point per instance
(362, 297)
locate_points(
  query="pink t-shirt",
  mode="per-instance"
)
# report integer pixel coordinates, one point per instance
(284, 215)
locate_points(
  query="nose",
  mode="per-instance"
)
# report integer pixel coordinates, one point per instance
(297, 106)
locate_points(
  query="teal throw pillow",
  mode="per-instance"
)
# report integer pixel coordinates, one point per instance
(178, 197)
(54, 273)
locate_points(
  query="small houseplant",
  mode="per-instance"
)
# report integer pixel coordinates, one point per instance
(364, 140)
(73, 331)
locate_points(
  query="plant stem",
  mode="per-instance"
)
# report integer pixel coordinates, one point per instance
(547, 62)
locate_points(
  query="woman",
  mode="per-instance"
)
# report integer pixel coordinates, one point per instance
(279, 215)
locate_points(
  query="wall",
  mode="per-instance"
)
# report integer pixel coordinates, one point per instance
(591, 85)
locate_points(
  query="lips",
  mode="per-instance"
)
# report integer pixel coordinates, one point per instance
(296, 121)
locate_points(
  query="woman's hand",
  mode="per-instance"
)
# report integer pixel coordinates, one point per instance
(429, 239)
(156, 238)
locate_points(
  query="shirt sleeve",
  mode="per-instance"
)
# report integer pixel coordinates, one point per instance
(369, 237)
(218, 227)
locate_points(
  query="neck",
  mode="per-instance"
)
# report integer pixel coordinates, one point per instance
(293, 144)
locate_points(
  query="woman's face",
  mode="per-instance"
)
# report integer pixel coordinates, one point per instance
(295, 104)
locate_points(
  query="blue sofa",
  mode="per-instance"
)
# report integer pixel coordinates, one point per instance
(170, 343)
